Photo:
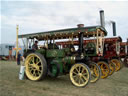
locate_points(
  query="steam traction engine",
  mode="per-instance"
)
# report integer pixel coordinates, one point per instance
(53, 60)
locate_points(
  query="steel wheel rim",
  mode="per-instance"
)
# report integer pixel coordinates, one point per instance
(117, 64)
(94, 73)
(79, 75)
(104, 69)
(34, 67)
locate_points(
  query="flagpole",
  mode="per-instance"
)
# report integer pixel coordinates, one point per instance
(17, 29)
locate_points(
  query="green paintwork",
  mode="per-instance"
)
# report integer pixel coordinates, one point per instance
(89, 46)
(61, 65)
(54, 64)
(41, 51)
(52, 34)
(67, 51)
(54, 53)
(69, 60)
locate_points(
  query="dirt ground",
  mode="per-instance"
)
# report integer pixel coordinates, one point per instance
(10, 85)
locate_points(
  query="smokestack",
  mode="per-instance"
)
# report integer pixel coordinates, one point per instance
(80, 36)
(114, 28)
(102, 19)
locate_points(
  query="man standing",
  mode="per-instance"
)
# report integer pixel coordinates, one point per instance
(35, 46)
(18, 58)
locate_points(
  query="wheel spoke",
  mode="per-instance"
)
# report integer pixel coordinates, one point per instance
(84, 74)
(84, 78)
(30, 60)
(93, 75)
(79, 68)
(30, 66)
(102, 66)
(37, 61)
(82, 70)
(79, 81)
(74, 73)
(76, 78)
(33, 60)
(30, 69)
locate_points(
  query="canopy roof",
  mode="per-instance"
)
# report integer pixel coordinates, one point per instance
(66, 33)
(107, 40)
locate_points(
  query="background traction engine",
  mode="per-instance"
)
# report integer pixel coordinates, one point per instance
(109, 59)
(112, 51)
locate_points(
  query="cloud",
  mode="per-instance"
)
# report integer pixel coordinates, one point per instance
(43, 16)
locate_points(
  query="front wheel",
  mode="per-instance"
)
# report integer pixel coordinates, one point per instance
(95, 72)
(80, 75)
(36, 66)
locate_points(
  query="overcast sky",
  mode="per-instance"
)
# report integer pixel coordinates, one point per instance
(39, 16)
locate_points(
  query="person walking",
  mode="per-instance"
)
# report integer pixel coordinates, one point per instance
(18, 58)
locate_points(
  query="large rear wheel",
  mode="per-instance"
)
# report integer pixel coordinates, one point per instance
(104, 69)
(95, 72)
(117, 64)
(36, 66)
(80, 75)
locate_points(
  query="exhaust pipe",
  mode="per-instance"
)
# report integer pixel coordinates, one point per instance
(114, 28)
(80, 36)
(102, 19)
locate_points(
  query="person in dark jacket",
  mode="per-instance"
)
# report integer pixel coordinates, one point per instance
(35, 46)
(18, 58)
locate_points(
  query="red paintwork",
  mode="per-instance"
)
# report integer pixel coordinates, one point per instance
(122, 49)
(107, 54)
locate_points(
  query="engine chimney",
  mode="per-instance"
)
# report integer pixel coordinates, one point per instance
(102, 19)
(114, 28)
(80, 39)
(80, 25)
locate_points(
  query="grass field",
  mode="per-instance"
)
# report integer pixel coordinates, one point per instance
(10, 85)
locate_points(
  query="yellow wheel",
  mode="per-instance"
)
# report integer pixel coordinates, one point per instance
(104, 69)
(112, 67)
(36, 67)
(95, 72)
(117, 64)
(80, 75)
